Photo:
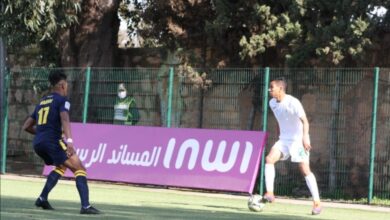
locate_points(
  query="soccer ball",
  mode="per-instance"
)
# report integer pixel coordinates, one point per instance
(255, 204)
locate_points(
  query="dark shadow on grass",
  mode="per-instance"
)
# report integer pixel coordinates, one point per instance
(16, 208)
(224, 207)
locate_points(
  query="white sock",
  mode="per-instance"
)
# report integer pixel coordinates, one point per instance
(269, 173)
(312, 184)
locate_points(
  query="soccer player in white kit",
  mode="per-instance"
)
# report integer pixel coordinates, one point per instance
(294, 141)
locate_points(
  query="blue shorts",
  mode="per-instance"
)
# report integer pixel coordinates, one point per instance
(52, 153)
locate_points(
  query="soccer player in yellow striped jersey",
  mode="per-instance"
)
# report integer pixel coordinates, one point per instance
(48, 122)
(294, 140)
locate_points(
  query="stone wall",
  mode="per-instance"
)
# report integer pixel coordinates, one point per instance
(358, 118)
(340, 139)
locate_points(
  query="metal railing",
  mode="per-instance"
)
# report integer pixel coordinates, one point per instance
(348, 110)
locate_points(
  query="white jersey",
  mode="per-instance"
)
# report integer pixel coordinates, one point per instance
(288, 113)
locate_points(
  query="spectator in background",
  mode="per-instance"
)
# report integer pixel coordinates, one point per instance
(125, 109)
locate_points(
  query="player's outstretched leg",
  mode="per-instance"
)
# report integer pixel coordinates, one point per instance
(51, 182)
(82, 187)
(269, 183)
(74, 164)
(269, 172)
(311, 183)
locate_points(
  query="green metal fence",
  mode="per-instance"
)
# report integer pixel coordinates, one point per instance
(381, 174)
(142, 84)
(339, 150)
(349, 123)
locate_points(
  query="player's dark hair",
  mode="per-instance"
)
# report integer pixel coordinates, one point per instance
(281, 80)
(55, 76)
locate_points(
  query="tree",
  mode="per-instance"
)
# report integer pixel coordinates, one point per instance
(26, 23)
(93, 41)
(210, 32)
(274, 33)
(336, 32)
(68, 32)
(315, 33)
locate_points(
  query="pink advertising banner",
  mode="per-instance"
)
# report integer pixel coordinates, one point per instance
(225, 160)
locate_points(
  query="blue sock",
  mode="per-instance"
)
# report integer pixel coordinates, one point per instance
(82, 187)
(51, 181)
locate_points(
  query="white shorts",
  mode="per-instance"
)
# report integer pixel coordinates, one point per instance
(294, 149)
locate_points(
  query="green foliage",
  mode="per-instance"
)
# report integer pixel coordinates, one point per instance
(39, 22)
(130, 11)
(350, 42)
(41, 17)
(197, 79)
(270, 31)
(333, 32)
(337, 32)
(312, 29)
(176, 24)
(299, 32)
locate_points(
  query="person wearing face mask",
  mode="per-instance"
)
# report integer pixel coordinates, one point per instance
(125, 109)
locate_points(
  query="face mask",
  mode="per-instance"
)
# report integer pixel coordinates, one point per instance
(122, 94)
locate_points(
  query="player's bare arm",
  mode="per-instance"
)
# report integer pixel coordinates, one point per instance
(306, 137)
(66, 129)
(29, 125)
